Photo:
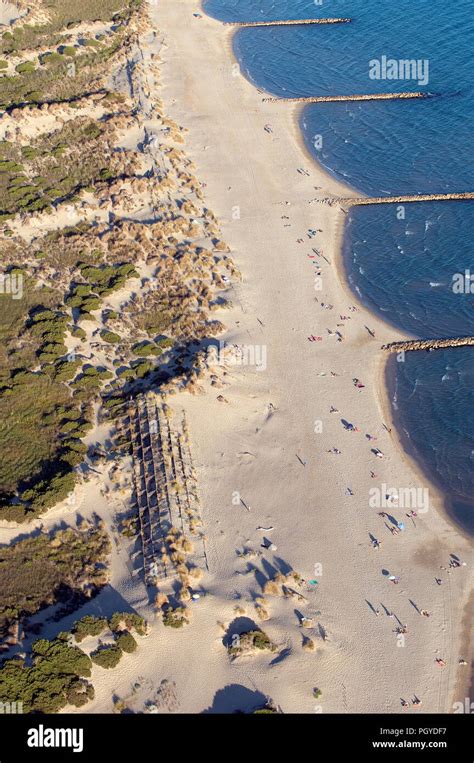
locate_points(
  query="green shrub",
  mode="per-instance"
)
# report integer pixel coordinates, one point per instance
(143, 368)
(25, 68)
(84, 383)
(78, 333)
(126, 642)
(72, 458)
(250, 640)
(107, 656)
(110, 336)
(83, 289)
(58, 489)
(76, 445)
(145, 349)
(79, 693)
(175, 618)
(126, 373)
(58, 656)
(10, 166)
(55, 679)
(261, 640)
(29, 153)
(165, 342)
(89, 626)
(130, 620)
(65, 371)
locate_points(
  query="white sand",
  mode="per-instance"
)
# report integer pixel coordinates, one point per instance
(9, 13)
(360, 668)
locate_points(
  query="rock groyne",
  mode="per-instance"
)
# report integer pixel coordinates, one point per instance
(408, 199)
(429, 344)
(342, 98)
(290, 22)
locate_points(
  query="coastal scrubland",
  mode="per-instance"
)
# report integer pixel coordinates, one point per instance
(60, 671)
(45, 569)
(75, 174)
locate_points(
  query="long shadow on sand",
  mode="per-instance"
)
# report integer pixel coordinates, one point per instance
(236, 698)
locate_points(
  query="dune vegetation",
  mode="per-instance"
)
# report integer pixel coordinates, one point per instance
(57, 672)
(107, 301)
(45, 569)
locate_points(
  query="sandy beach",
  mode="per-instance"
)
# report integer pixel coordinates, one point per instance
(268, 442)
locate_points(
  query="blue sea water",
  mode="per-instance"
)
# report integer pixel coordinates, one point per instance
(401, 267)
